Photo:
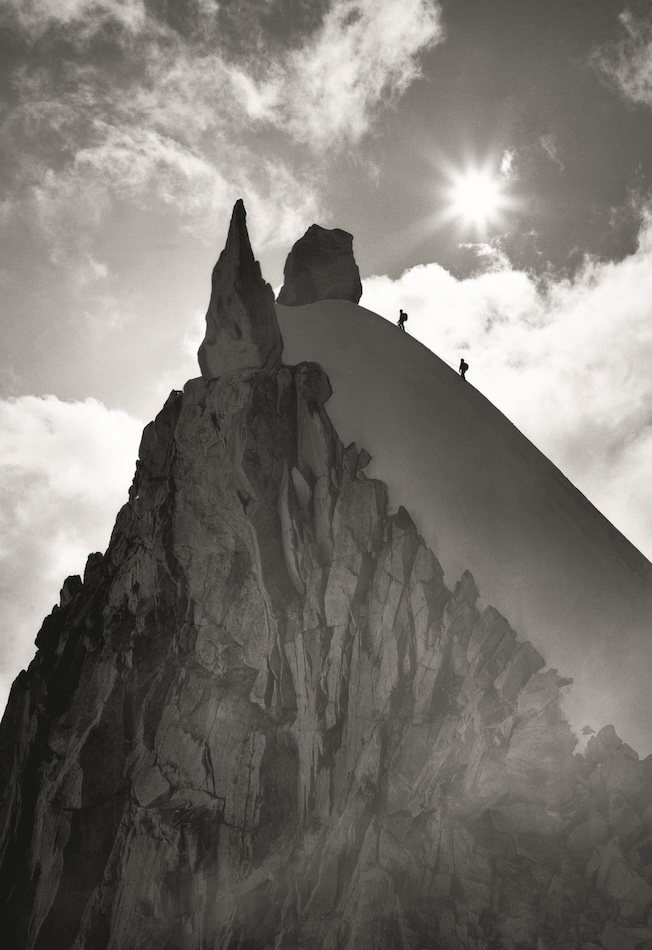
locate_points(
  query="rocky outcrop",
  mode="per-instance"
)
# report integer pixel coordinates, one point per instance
(321, 266)
(262, 720)
(241, 327)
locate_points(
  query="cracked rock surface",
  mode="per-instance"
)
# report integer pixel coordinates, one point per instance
(262, 721)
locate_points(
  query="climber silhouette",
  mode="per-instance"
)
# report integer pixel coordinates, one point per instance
(401, 320)
(463, 368)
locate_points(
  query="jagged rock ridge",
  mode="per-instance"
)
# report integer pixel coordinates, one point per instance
(321, 266)
(262, 720)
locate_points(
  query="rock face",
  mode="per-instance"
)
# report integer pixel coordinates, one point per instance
(321, 266)
(241, 327)
(262, 720)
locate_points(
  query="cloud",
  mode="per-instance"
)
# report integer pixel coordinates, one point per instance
(65, 470)
(566, 360)
(365, 54)
(628, 64)
(37, 16)
(134, 150)
(549, 145)
(168, 116)
(491, 255)
(507, 171)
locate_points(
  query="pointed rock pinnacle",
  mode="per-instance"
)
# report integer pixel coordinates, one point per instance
(321, 266)
(241, 327)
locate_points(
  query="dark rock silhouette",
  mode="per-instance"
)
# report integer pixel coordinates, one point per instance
(241, 327)
(321, 266)
(263, 720)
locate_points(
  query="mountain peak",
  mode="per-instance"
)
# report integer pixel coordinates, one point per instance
(264, 719)
(241, 327)
(321, 266)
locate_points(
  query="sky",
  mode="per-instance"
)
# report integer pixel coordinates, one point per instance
(492, 160)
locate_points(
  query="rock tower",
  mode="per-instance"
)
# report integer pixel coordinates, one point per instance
(321, 266)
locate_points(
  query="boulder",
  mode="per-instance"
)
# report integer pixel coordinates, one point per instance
(321, 266)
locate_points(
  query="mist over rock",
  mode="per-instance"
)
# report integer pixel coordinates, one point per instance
(321, 266)
(241, 327)
(263, 720)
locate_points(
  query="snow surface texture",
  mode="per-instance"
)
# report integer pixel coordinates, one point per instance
(485, 499)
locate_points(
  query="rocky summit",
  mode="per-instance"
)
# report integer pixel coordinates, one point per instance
(241, 327)
(262, 720)
(321, 266)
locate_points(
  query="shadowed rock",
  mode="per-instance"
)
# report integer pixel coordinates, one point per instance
(241, 327)
(263, 720)
(321, 266)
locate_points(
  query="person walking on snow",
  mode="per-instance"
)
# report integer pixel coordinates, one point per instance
(463, 368)
(401, 320)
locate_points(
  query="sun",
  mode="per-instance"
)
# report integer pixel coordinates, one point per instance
(477, 197)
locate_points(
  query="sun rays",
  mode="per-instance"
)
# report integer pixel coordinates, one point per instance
(477, 196)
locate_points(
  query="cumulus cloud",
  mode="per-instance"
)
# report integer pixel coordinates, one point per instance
(628, 63)
(65, 470)
(567, 361)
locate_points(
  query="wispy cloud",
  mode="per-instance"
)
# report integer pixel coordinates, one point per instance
(549, 145)
(627, 64)
(105, 150)
(568, 361)
(366, 53)
(167, 114)
(37, 16)
(507, 169)
(491, 256)
(52, 517)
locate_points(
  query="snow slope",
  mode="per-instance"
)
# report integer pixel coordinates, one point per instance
(485, 499)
